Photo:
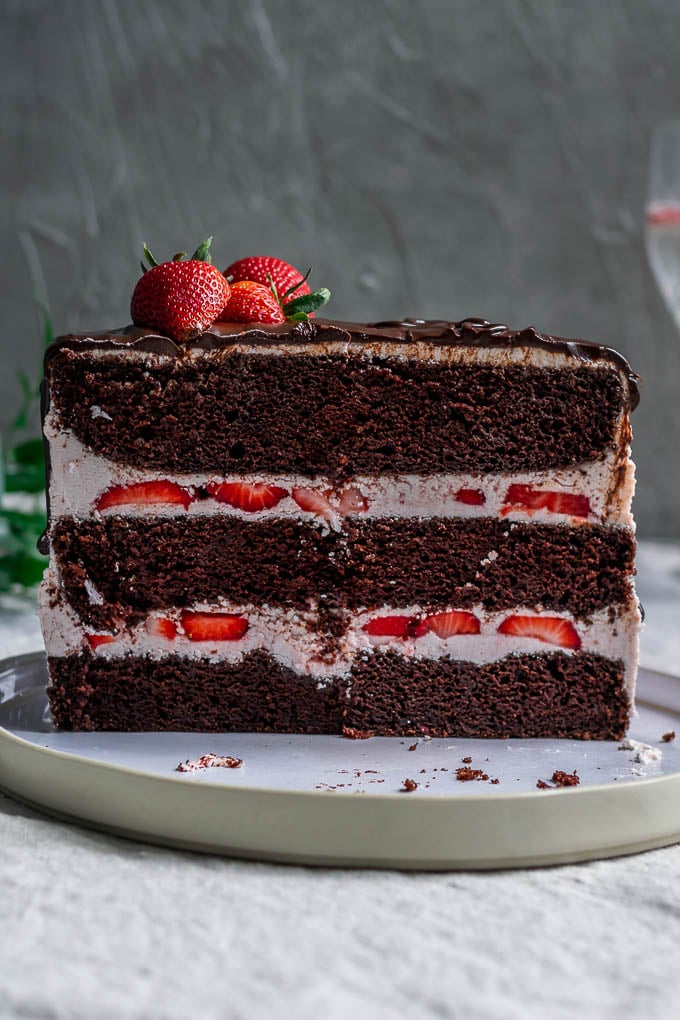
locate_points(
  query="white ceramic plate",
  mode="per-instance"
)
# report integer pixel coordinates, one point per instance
(329, 800)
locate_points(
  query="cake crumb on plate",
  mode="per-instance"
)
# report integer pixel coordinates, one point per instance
(209, 761)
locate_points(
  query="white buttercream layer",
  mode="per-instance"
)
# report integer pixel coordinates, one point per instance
(374, 350)
(293, 638)
(79, 477)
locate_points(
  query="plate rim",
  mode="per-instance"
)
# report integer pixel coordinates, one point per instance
(442, 865)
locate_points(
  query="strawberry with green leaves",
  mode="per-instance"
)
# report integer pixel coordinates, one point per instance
(181, 298)
(271, 291)
(252, 302)
(265, 269)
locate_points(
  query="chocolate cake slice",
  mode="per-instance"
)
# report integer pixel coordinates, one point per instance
(403, 528)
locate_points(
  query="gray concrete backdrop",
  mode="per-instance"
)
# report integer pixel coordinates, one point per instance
(440, 158)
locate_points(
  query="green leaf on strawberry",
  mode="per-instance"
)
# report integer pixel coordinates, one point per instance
(299, 309)
(151, 262)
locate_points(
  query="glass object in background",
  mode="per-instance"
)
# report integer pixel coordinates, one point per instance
(663, 214)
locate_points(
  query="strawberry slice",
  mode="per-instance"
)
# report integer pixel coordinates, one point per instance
(352, 501)
(144, 494)
(214, 626)
(247, 496)
(551, 629)
(570, 504)
(523, 497)
(446, 625)
(95, 640)
(314, 503)
(160, 626)
(471, 497)
(390, 626)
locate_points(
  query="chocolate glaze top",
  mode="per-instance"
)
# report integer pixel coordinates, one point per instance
(470, 332)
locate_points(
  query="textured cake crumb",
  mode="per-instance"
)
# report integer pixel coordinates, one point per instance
(542, 785)
(561, 778)
(409, 786)
(467, 761)
(413, 747)
(354, 734)
(466, 774)
(668, 737)
(209, 761)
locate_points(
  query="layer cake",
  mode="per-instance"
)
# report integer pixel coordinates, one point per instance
(323, 527)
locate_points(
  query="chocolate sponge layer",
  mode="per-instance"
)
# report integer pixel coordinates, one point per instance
(580, 696)
(577, 696)
(138, 564)
(333, 415)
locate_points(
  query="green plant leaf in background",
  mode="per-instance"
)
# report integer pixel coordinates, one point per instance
(22, 481)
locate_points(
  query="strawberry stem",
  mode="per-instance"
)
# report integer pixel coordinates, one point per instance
(149, 258)
(295, 286)
(274, 288)
(202, 253)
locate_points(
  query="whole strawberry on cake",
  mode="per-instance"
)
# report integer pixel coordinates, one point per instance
(262, 520)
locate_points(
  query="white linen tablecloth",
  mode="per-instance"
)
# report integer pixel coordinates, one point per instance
(96, 927)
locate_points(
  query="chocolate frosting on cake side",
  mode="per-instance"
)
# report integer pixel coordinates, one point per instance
(470, 332)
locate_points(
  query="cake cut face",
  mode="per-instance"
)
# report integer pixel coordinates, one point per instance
(412, 528)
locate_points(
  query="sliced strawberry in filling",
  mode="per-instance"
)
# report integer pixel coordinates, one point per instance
(352, 501)
(145, 494)
(471, 497)
(446, 625)
(247, 496)
(521, 497)
(314, 503)
(213, 626)
(551, 629)
(95, 640)
(162, 627)
(390, 626)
